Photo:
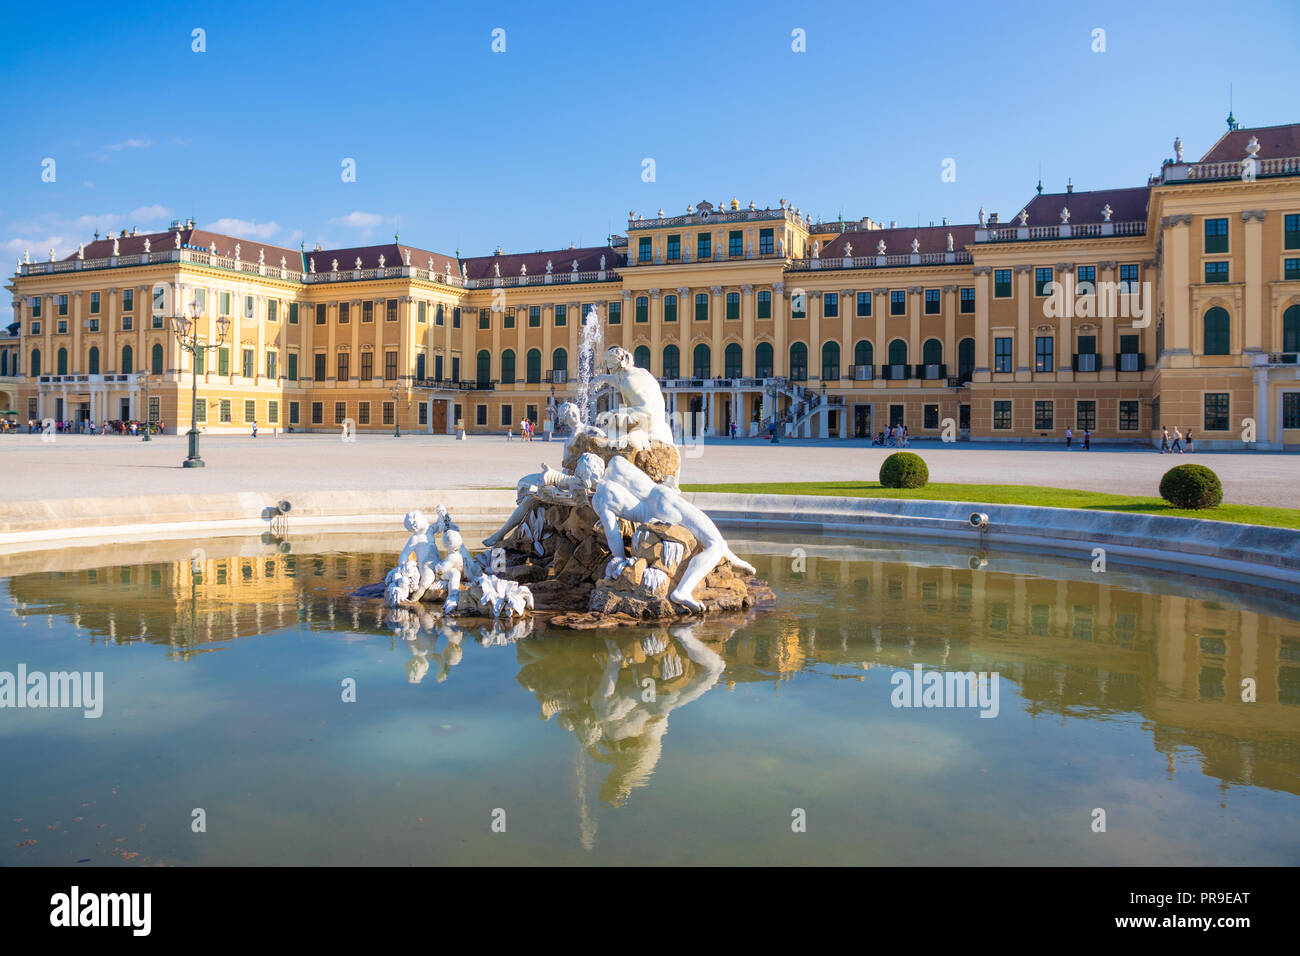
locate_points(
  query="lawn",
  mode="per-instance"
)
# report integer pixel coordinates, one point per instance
(1016, 495)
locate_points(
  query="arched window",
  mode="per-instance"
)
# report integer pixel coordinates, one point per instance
(62, 359)
(1291, 329)
(641, 357)
(731, 359)
(534, 360)
(831, 362)
(763, 360)
(560, 361)
(898, 352)
(1218, 329)
(92, 365)
(966, 358)
(128, 360)
(863, 357)
(932, 352)
(34, 368)
(672, 362)
(703, 362)
(508, 367)
(484, 367)
(798, 362)
(157, 362)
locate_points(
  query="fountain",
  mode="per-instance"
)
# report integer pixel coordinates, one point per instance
(593, 336)
(604, 541)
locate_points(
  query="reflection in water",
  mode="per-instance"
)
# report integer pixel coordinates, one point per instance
(1168, 654)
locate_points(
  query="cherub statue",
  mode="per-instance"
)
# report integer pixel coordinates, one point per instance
(422, 550)
(450, 569)
(400, 583)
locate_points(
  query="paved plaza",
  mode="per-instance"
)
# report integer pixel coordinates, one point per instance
(76, 466)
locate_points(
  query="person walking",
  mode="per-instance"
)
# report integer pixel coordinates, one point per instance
(254, 428)
(1087, 440)
(1069, 436)
(733, 431)
(1177, 446)
(1189, 447)
(1164, 439)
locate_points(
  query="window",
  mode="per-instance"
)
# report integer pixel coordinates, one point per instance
(1086, 280)
(340, 412)
(1044, 350)
(272, 364)
(480, 414)
(484, 319)
(420, 364)
(533, 366)
(763, 360)
(1291, 329)
(248, 368)
(931, 416)
(36, 328)
(128, 361)
(534, 316)
(640, 358)
(830, 362)
(561, 315)
(201, 410)
(34, 367)
(363, 413)
(223, 361)
(93, 363)
(508, 367)
(731, 361)
(672, 364)
(703, 246)
(1085, 359)
(1042, 279)
(864, 303)
(225, 411)
(390, 314)
(798, 304)
(424, 413)
(156, 366)
(766, 246)
(642, 309)
(272, 310)
(156, 322)
(440, 314)
(390, 365)
(94, 303)
(320, 314)
(293, 413)
(798, 362)
(1291, 409)
(320, 366)
(423, 313)
(367, 366)
(967, 300)
(896, 415)
(507, 415)
(61, 360)
(674, 248)
(1291, 269)
(733, 305)
(830, 305)
(455, 317)
(248, 307)
(615, 313)
(862, 360)
(63, 304)
(560, 365)
(128, 302)
(1043, 415)
(293, 313)
(92, 325)
(128, 323)
(1218, 329)
(317, 413)
(1216, 235)
(702, 307)
(1002, 290)
(293, 367)
(966, 359)
(897, 302)
(1216, 411)
(1128, 278)
(1291, 232)
(1085, 414)
(703, 361)
(670, 308)
(1216, 272)
(1128, 416)
(367, 311)
(735, 244)
(897, 354)
(345, 313)
(508, 319)
(931, 301)
(341, 367)
(643, 249)
(250, 410)
(273, 412)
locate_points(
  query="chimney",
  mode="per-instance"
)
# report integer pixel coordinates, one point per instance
(993, 218)
(1069, 185)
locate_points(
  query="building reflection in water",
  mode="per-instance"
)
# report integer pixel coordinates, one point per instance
(1164, 650)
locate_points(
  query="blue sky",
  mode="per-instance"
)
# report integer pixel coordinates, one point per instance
(543, 145)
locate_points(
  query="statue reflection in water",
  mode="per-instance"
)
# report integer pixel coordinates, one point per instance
(421, 630)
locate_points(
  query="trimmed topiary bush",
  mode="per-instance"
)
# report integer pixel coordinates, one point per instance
(1191, 486)
(903, 469)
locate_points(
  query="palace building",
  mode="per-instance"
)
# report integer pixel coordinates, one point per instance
(1120, 310)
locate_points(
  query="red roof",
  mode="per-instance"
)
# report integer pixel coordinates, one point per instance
(1126, 205)
(866, 242)
(193, 239)
(1274, 142)
(588, 259)
(394, 255)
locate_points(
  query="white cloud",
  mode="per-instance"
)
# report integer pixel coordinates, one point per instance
(129, 144)
(244, 228)
(360, 220)
(39, 247)
(150, 213)
(295, 235)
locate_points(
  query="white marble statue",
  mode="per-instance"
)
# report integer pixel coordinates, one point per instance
(147, 245)
(641, 401)
(625, 491)
(450, 569)
(421, 549)
(177, 239)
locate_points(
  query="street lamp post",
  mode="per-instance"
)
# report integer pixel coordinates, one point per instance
(397, 392)
(187, 336)
(144, 383)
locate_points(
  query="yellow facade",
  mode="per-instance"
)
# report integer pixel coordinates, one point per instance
(1088, 309)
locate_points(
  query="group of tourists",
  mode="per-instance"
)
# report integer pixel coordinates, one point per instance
(1177, 443)
(526, 430)
(88, 427)
(895, 436)
(1087, 439)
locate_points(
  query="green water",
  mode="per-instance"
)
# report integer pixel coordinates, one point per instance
(768, 740)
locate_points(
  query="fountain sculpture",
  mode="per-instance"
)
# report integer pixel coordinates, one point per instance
(605, 540)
